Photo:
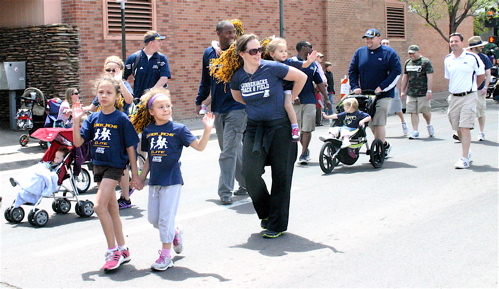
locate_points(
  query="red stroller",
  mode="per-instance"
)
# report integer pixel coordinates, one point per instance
(70, 169)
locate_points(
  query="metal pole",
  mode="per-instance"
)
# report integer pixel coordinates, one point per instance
(281, 18)
(123, 37)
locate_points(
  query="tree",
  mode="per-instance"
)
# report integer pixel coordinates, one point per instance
(456, 10)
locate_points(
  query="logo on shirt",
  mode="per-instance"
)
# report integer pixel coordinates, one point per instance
(255, 87)
(158, 143)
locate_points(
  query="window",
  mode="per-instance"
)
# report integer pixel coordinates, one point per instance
(140, 16)
(395, 20)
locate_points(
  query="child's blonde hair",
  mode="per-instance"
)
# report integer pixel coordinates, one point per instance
(351, 102)
(116, 60)
(143, 118)
(272, 46)
(120, 100)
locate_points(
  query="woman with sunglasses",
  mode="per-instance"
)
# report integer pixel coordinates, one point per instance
(64, 116)
(267, 139)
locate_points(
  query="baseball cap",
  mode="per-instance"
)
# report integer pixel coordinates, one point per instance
(413, 49)
(371, 33)
(152, 35)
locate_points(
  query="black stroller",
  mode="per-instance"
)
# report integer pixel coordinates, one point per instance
(332, 154)
(31, 114)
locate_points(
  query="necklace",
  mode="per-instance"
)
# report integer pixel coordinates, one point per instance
(250, 75)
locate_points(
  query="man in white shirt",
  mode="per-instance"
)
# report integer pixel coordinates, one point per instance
(464, 70)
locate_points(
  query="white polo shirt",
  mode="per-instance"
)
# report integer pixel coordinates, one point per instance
(462, 71)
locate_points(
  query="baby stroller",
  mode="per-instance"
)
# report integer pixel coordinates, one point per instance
(31, 112)
(331, 152)
(49, 184)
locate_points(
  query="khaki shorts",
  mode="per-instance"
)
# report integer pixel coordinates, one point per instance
(305, 114)
(462, 111)
(418, 104)
(381, 114)
(105, 172)
(481, 105)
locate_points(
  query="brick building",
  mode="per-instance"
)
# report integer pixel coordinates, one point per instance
(334, 27)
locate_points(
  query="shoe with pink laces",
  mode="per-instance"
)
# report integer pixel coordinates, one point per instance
(113, 260)
(295, 134)
(177, 240)
(164, 262)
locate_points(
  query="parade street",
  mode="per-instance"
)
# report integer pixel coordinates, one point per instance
(415, 222)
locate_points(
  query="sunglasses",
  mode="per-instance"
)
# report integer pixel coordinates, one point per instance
(254, 51)
(111, 70)
(76, 93)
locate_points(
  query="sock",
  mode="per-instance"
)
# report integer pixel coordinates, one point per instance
(166, 252)
(294, 125)
(121, 248)
(112, 249)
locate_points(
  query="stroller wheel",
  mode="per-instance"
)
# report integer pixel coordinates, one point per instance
(83, 181)
(377, 153)
(61, 205)
(24, 140)
(38, 218)
(43, 144)
(327, 158)
(6, 214)
(84, 209)
(17, 215)
(55, 205)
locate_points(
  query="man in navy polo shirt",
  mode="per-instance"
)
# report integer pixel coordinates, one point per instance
(376, 68)
(230, 118)
(151, 70)
(305, 105)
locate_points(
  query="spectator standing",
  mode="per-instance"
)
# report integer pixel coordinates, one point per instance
(72, 96)
(230, 118)
(376, 67)
(148, 66)
(330, 85)
(305, 106)
(417, 82)
(475, 45)
(461, 67)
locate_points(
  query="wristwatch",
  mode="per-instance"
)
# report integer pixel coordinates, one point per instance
(429, 91)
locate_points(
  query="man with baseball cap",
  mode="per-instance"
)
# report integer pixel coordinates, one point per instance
(476, 45)
(149, 67)
(417, 82)
(376, 68)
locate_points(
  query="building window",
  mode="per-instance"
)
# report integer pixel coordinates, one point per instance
(140, 17)
(395, 20)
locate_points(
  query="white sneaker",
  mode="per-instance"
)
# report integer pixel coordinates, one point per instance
(163, 263)
(404, 128)
(177, 240)
(431, 130)
(462, 163)
(481, 136)
(203, 109)
(414, 135)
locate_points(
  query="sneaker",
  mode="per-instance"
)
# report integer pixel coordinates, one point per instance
(113, 260)
(295, 134)
(481, 136)
(226, 200)
(346, 143)
(431, 130)
(271, 234)
(177, 240)
(124, 204)
(126, 255)
(264, 223)
(164, 262)
(304, 159)
(203, 109)
(240, 192)
(388, 149)
(414, 135)
(462, 163)
(404, 128)
(455, 136)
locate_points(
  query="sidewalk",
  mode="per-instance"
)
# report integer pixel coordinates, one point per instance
(14, 156)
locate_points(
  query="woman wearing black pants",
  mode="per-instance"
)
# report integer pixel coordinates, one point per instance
(267, 140)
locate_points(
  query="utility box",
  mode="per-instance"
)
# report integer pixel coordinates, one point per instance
(12, 78)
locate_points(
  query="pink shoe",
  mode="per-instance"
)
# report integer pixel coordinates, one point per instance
(295, 134)
(113, 260)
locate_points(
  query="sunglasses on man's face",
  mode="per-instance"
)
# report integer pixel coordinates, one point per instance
(111, 70)
(254, 51)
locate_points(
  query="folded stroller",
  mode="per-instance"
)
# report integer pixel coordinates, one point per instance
(48, 182)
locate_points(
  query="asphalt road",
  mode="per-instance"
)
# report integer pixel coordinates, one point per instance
(416, 222)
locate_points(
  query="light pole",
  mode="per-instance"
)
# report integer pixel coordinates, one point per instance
(281, 18)
(123, 37)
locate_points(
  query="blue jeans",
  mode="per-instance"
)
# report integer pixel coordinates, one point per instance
(330, 111)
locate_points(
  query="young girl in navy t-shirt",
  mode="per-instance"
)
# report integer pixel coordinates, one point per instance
(163, 140)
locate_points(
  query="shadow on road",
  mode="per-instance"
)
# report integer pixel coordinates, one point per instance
(279, 247)
(129, 272)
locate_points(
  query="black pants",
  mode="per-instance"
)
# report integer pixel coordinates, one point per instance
(281, 156)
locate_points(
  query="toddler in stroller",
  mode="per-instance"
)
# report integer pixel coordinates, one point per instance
(46, 178)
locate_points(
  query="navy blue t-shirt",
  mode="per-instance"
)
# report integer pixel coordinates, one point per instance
(307, 94)
(164, 144)
(352, 119)
(488, 65)
(262, 92)
(112, 134)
